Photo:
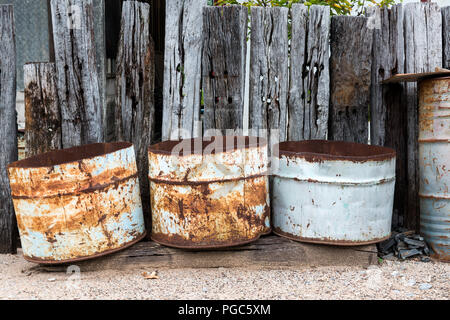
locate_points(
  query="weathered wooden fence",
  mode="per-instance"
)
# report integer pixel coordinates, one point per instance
(311, 76)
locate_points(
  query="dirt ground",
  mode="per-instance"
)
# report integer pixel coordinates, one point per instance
(390, 280)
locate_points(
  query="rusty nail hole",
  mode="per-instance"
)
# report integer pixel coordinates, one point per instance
(217, 99)
(212, 74)
(230, 100)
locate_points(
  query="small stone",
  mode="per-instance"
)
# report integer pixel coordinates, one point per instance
(205, 290)
(409, 294)
(411, 282)
(425, 286)
(425, 259)
(51, 280)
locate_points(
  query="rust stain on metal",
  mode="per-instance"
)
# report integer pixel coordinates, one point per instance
(434, 162)
(211, 196)
(319, 150)
(77, 203)
(328, 241)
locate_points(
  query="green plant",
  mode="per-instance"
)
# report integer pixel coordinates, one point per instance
(337, 7)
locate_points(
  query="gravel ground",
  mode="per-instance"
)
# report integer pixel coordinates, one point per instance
(391, 280)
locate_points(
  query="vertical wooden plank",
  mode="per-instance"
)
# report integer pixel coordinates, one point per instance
(309, 107)
(182, 69)
(42, 112)
(350, 74)
(269, 77)
(446, 36)
(223, 66)
(135, 78)
(99, 13)
(77, 74)
(387, 102)
(296, 102)
(423, 52)
(8, 127)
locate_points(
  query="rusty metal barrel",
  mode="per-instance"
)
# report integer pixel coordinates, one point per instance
(434, 163)
(209, 193)
(78, 203)
(334, 193)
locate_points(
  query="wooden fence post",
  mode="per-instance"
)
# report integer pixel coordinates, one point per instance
(423, 52)
(77, 75)
(446, 36)
(182, 69)
(42, 112)
(350, 73)
(269, 77)
(135, 78)
(408, 40)
(224, 66)
(387, 102)
(8, 127)
(309, 96)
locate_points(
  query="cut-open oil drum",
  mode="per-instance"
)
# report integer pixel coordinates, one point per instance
(209, 193)
(333, 192)
(78, 203)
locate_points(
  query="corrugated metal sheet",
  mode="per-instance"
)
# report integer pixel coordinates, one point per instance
(333, 192)
(434, 160)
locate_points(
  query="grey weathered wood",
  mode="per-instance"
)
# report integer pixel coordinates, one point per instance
(8, 127)
(350, 76)
(446, 36)
(42, 112)
(269, 75)
(135, 82)
(268, 252)
(310, 77)
(224, 66)
(387, 103)
(423, 52)
(409, 41)
(182, 69)
(77, 75)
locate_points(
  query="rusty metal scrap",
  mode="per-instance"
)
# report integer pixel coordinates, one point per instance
(209, 194)
(434, 163)
(333, 192)
(77, 203)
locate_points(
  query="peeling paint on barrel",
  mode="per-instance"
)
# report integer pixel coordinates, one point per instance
(78, 203)
(209, 193)
(434, 164)
(333, 192)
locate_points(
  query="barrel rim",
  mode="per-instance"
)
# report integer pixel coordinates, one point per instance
(166, 147)
(431, 79)
(333, 150)
(70, 155)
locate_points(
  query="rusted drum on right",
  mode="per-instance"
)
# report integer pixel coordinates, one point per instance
(333, 192)
(209, 194)
(434, 162)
